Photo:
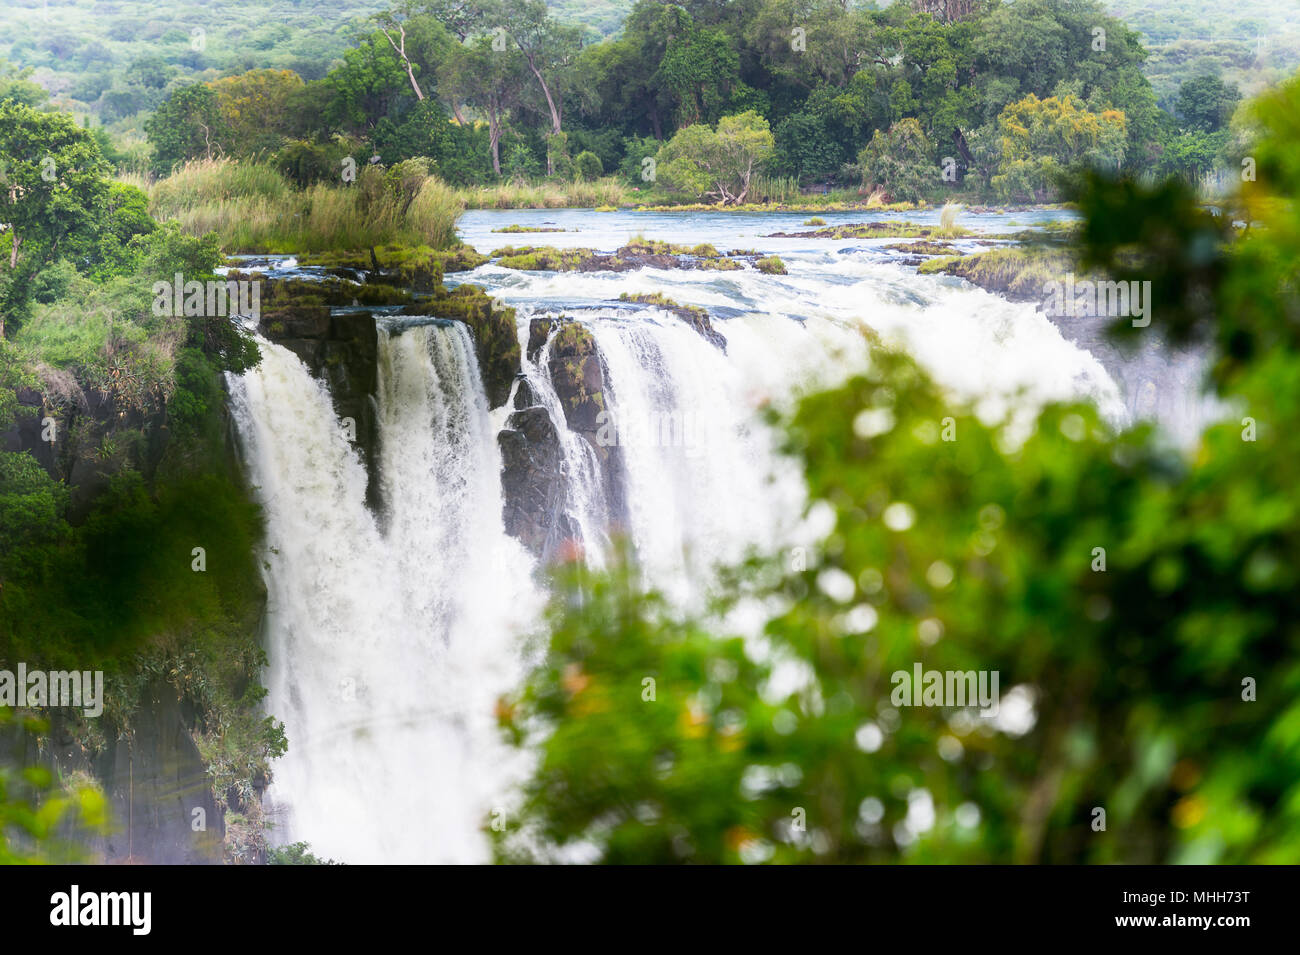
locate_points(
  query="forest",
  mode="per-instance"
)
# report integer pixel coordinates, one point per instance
(368, 582)
(981, 100)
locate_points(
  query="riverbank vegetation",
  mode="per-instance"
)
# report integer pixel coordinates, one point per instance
(254, 208)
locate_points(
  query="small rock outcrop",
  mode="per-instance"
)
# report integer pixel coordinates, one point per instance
(692, 315)
(532, 482)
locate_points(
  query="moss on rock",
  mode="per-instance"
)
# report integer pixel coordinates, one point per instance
(637, 254)
(875, 230)
(693, 315)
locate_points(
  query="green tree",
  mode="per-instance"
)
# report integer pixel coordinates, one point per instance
(717, 164)
(702, 71)
(52, 189)
(16, 84)
(1206, 103)
(253, 108)
(488, 80)
(549, 50)
(587, 166)
(1042, 139)
(187, 125)
(901, 161)
(367, 86)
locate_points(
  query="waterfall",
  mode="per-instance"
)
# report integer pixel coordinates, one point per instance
(700, 467)
(392, 635)
(389, 642)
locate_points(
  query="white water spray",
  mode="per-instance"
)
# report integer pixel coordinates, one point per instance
(388, 646)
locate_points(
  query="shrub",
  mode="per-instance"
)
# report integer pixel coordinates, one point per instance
(587, 166)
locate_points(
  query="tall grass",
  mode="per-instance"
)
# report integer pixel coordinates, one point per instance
(433, 213)
(948, 228)
(772, 189)
(253, 208)
(546, 195)
(876, 200)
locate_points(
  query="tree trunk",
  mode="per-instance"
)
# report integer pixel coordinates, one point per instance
(401, 51)
(960, 139)
(546, 91)
(744, 191)
(494, 135)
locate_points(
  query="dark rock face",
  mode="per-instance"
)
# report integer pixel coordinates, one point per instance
(579, 378)
(536, 486)
(72, 436)
(342, 349)
(163, 809)
(533, 483)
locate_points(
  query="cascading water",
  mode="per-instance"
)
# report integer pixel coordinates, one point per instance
(699, 486)
(391, 636)
(388, 645)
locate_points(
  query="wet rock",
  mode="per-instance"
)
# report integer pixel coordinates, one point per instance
(291, 321)
(532, 483)
(525, 397)
(694, 316)
(578, 377)
(539, 332)
(577, 373)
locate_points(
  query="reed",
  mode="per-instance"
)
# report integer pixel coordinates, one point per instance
(948, 228)
(546, 195)
(772, 189)
(252, 208)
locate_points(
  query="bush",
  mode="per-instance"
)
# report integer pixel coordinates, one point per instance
(306, 163)
(901, 161)
(587, 166)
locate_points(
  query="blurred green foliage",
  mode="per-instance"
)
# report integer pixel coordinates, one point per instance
(1139, 605)
(43, 820)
